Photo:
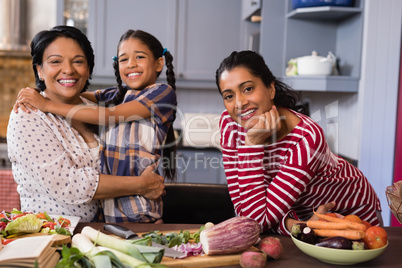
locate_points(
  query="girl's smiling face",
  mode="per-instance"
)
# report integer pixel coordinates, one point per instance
(64, 70)
(245, 96)
(137, 65)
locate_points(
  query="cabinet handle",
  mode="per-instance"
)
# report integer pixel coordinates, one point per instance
(253, 3)
(255, 18)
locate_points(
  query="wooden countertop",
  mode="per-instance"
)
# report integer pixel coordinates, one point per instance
(292, 257)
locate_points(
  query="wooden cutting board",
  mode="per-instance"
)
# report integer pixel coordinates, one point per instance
(204, 260)
(58, 239)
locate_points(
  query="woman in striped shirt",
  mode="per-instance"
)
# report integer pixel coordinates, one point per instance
(277, 162)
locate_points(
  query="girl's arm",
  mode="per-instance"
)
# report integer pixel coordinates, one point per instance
(149, 184)
(55, 168)
(90, 96)
(129, 111)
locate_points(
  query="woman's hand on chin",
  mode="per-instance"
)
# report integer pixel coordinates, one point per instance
(267, 125)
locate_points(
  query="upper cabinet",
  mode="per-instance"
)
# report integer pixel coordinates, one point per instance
(109, 19)
(288, 33)
(199, 34)
(250, 8)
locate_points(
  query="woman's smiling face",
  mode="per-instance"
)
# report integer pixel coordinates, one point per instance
(245, 96)
(64, 70)
(137, 65)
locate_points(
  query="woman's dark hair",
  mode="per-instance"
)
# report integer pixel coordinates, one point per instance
(44, 38)
(285, 96)
(169, 150)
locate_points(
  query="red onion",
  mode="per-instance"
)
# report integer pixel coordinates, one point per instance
(191, 249)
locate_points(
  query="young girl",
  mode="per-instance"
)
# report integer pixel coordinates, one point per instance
(277, 163)
(138, 120)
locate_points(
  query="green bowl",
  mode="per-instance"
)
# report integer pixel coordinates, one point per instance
(338, 256)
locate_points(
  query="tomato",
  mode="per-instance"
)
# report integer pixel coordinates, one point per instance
(6, 241)
(376, 237)
(48, 224)
(15, 216)
(64, 222)
(3, 225)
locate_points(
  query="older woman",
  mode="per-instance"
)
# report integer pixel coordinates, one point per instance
(55, 162)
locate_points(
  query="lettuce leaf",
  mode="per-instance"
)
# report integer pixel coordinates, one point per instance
(25, 224)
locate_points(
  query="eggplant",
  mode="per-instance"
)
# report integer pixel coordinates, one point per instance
(338, 242)
(230, 236)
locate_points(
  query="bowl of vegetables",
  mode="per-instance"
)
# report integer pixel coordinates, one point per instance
(338, 256)
(338, 239)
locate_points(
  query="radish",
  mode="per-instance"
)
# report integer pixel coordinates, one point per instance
(271, 246)
(253, 259)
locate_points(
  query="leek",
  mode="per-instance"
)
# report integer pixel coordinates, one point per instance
(145, 254)
(88, 249)
(124, 258)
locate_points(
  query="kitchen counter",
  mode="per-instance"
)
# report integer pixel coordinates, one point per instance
(292, 256)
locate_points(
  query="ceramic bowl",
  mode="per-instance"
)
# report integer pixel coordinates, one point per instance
(338, 256)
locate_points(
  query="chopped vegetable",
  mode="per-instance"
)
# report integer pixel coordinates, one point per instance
(190, 249)
(48, 225)
(174, 239)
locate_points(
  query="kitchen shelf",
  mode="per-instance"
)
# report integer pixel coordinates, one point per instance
(323, 83)
(323, 13)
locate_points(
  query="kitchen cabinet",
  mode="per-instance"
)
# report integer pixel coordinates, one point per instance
(287, 33)
(199, 34)
(250, 8)
(200, 166)
(109, 19)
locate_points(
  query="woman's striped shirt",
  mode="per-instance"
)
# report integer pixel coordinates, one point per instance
(291, 177)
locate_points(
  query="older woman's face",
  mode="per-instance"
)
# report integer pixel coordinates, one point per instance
(64, 69)
(245, 96)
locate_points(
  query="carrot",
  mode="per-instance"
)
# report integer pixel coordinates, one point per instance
(327, 225)
(347, 233)
(350, 224)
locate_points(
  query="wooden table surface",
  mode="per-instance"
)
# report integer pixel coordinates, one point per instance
(292, 257)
